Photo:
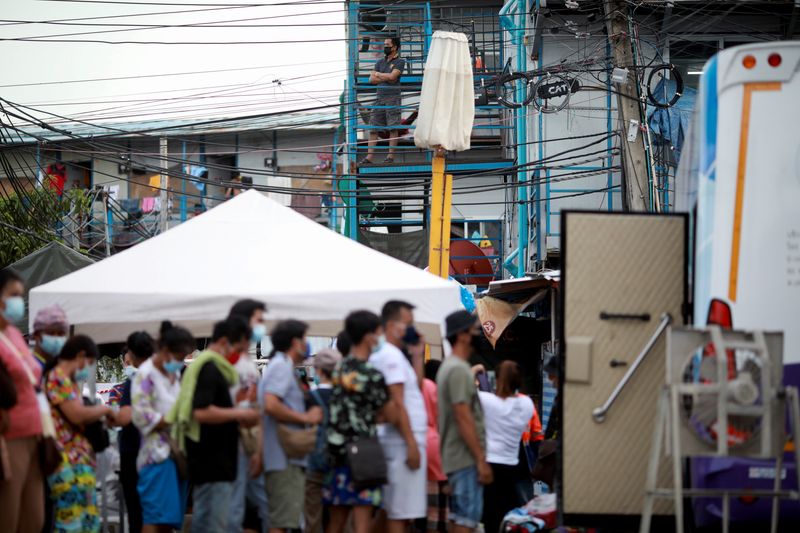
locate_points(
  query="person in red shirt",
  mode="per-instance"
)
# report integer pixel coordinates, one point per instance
(57, 177)
(21, 496)
(436, 520)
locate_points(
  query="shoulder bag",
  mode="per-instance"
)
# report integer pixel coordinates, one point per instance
(297, 443)
(175, 453)
(49, 452)
(94, 432)
(367, 462)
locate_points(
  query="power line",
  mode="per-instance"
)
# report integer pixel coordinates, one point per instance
(145, 76)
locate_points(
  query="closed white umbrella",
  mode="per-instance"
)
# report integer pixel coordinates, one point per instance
(447, 102)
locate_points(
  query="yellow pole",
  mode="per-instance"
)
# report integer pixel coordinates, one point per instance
(441, 199)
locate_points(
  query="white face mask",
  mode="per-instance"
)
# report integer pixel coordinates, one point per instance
(130, 371)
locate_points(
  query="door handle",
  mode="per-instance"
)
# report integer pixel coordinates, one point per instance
(599, 414)
(614, 363)
(605, 315)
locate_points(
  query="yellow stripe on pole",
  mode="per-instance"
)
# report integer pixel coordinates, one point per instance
(741, 171)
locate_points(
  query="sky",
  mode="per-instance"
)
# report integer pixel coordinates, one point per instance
(250, 78)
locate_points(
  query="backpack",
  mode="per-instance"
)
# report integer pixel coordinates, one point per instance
(318, 459)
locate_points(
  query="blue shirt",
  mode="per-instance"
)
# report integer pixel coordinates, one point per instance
(279, 379)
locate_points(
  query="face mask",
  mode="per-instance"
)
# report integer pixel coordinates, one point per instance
(130, 371)
(52, 344)
(381, 342)
(476, 342)
(15, 309)
(233, 357)
(259, 331)
(82, 374)
(387, 50)
(173, 367)
(411, 337)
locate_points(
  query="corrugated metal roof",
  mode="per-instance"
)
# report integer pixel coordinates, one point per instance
(169, 128)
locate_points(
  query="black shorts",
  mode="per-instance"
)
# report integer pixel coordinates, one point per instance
(388, 112)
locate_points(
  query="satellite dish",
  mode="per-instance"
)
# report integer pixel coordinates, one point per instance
(469, 262)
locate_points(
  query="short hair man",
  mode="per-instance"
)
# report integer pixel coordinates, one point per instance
(213, 459)
(283, 402)
(461, 427)
(386, 113)
(405, 496)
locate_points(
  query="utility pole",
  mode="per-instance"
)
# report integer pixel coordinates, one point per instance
(634, 156)
(164, 212)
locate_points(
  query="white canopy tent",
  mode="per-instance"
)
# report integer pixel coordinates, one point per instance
(248, 247)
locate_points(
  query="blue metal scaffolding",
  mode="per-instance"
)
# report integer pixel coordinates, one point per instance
(403, 188)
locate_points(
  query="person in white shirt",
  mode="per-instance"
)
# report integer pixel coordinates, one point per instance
(405, 496)
(506, 414)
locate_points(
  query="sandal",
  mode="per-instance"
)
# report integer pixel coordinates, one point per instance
(389, 160)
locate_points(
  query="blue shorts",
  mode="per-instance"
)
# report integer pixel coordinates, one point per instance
(163, 494)
(466, 499)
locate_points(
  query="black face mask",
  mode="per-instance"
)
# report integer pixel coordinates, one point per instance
(411, 337)
(387, 50)
(476, 342)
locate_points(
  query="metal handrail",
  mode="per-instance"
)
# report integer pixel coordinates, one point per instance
(599, 414)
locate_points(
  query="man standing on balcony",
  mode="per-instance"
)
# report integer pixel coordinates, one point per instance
(387, 104)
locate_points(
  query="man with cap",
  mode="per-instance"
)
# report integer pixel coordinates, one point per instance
(50, 331)
(324, 363)
(463, 436)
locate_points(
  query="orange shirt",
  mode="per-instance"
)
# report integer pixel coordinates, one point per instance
(534, 432)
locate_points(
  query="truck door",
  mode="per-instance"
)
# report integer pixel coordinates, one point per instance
(621, 273)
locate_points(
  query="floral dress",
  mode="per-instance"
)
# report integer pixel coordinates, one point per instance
(359, 393)
(72, 486)
(152, 396)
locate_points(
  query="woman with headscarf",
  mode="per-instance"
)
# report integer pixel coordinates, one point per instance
(50, 330)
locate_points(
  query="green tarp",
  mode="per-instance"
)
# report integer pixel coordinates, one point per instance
(46, 264)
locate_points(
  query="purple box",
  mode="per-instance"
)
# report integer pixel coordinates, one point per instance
(708, 473)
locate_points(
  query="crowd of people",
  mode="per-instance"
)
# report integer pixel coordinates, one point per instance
(372, 439)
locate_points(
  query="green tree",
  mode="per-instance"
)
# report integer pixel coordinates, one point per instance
(29, 220)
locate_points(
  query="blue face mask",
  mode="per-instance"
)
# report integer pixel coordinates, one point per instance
(130, 371)
(82, 374)
(173, 367)
(15, 309)
(381, 342)
(52, 344)
(259, 332)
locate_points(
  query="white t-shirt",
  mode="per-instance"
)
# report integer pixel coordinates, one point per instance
(506, 420)
(395, 368)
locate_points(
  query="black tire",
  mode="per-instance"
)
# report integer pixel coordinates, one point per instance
(501, 89)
